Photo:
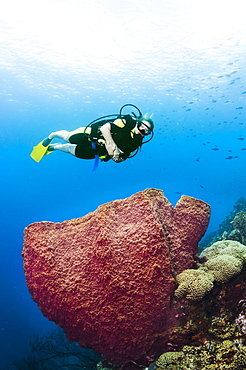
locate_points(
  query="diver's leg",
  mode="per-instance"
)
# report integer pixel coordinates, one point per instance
(62, 134)
(67, 148)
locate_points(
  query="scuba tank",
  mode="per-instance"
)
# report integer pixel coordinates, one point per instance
(112, 117)
(98, 122)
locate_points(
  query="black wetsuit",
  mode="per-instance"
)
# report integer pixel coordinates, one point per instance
(88, 145)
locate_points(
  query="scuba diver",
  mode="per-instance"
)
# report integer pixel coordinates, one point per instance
(115, 137)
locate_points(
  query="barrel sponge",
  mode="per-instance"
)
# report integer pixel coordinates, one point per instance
(194, 284)
(108, 278)
(224, 267)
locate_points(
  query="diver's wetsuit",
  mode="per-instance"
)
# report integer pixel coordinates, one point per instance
(125, 139)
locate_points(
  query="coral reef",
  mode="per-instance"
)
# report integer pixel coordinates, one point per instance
(214, 328)
(194, 284)
(224, 267)
(241, 321)
(239, 223)
(108, 278)
(168, 358)
(226, 229)
(222, 261)
(212, 356)
(214, 322)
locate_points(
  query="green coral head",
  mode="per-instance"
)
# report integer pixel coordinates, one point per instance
(223, 260)
(194, 284)
(224, 267)
(168, 358)
(225, 247)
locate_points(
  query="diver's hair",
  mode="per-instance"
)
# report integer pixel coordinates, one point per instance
(145, 117)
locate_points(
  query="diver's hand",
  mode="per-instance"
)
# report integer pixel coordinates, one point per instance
(117, 159)
(117, 155)
(114, 151)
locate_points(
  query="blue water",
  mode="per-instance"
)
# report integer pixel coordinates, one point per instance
(63, 64)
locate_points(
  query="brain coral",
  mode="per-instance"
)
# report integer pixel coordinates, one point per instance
(224, 259)
(194, 284)
(228, 247)
(108, 278)
(168, 358)
(224, 267)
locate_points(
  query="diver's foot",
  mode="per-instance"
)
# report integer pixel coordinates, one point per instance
(46, 142)
(51, 148)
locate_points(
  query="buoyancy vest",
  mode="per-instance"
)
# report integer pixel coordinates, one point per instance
(122, 134)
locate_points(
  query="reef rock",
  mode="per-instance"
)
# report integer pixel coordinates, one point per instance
(108, 278)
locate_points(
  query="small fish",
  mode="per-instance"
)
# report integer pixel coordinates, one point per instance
(198, 159)
(215, 149)
(243, 149)
(177, 192)
(240, 138)
(230, 157)
(201, 186)
(239, 108)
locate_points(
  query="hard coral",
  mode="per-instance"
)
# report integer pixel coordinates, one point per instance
(239, 223)
(211, 356)
(194, 284)
(224, 267)
(227, 247)
(168, 358)
(223, 260)
(108, 278)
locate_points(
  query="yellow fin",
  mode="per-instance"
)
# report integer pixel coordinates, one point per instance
(39, 151)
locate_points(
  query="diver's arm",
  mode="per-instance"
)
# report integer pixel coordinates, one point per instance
(110, 145)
